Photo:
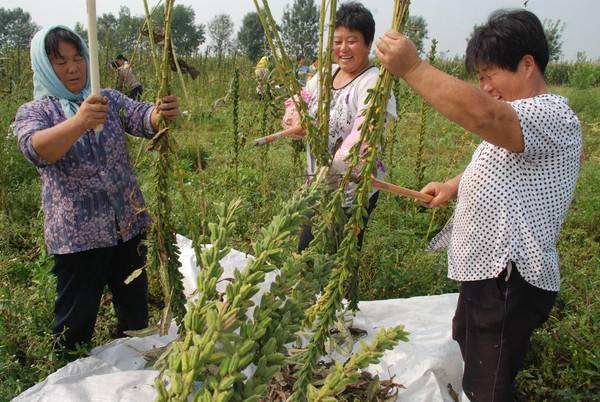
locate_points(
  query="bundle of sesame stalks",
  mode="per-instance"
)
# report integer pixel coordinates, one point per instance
(163, 253)
(344, 275)
(219, 341)
(226, 353)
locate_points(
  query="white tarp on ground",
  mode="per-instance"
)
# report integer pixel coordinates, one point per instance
(425, 365)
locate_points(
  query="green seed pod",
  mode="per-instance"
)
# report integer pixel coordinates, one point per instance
(176, 386)
(246, 360)
(185, 362)
(224, 367)
(226, 383)
(216, 357)
(246, 347)
(233, 364)
(175, 362)
(276, 358)
(188, 379)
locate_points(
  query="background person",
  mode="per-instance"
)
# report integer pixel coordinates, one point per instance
(353, 76)
(261, 71)
(127, 82)
(511, 198)
(301, 69)
(94, 209)
(312, 69)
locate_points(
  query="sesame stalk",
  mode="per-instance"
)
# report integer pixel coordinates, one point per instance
(345, 270)
(346, 374)
(316, 140)
(163, 252)
(419, 167)
(211, 351)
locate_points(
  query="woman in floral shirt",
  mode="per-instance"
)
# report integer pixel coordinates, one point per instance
(353, 77)
(94, 209)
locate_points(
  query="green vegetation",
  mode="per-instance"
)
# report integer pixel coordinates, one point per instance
(565, 361)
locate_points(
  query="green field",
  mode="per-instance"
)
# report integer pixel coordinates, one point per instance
(564, 364)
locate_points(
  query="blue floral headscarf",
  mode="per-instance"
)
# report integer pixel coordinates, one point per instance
(45, 80)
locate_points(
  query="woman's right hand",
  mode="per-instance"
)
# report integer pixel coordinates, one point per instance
(291, 118)
(92, 112)
(441, 193)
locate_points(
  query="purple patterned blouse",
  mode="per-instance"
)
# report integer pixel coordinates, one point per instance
(90, 196)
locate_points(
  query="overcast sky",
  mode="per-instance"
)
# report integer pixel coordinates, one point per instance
(450, 22)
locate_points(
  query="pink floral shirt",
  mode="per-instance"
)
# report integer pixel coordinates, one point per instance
(90, 196)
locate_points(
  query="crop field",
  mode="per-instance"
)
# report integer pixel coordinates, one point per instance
(214, 163)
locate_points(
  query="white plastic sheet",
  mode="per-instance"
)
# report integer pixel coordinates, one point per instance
(425, 365)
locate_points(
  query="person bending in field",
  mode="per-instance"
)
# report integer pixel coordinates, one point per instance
(353, 77)
(94, 209)
(511, 198)
(301, 69)
(261, 72)
(127, 82)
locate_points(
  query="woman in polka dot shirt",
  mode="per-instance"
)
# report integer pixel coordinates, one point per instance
(511, 198)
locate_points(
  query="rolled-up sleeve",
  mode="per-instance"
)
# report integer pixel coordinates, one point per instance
(29, 120)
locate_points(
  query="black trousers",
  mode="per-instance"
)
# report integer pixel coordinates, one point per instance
(136, 93)
(306, 235)
(493, 324)
(81, 278)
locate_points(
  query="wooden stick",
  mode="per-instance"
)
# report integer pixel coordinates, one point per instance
(281, 134)
(392, 188)
(93, 51)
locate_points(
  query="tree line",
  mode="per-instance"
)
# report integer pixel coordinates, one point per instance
(299, 25)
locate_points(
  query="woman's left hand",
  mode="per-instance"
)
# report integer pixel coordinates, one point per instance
(397, 53)
(168, 107)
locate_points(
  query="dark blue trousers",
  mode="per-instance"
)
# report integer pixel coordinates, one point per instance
(81, 278)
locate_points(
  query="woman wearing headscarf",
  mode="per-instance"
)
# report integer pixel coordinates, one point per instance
(94, 209)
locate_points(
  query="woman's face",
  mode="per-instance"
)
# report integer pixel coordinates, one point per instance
(350, 49)
(506, 85)
(69, 66)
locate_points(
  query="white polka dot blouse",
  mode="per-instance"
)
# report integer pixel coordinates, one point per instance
(510, 206)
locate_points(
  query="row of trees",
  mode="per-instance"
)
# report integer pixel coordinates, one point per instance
(123, 31)
(300, 30)
(299, 27)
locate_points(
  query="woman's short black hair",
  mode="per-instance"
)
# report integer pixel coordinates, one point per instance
(506, 37)
(59, 34)
(356, 17)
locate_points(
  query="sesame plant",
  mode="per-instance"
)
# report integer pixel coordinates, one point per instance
(316, 135)
(405, 97)
(235, 94)
(163, 252)
(344, 275)
(264, 151)
(219, 341)
(419, 166)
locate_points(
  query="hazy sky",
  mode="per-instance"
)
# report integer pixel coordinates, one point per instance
(450, 22)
